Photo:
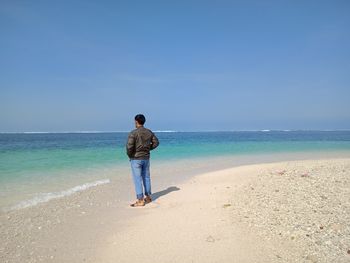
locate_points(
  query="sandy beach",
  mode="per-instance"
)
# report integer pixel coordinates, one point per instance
(290, 211)
(234, 116)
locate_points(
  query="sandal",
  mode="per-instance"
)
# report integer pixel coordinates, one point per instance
(140, 202)
(147, 199)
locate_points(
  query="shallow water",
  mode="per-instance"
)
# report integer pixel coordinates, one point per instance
(37, 166)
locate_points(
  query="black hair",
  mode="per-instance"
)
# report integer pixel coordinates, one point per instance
(140, 118)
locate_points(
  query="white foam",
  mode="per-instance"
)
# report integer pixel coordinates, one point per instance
(45, 197)
(165, 131)
(60, 132)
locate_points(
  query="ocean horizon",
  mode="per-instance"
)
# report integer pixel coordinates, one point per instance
(160, 131)
(36, 167)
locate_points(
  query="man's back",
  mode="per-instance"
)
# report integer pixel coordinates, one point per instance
(140, 142)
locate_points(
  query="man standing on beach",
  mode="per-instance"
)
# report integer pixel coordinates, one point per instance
(140, 142)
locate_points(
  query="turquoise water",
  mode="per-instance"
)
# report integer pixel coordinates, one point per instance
(27, 153)
(44, 159)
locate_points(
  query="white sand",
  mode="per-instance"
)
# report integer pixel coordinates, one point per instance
(191, 225)
(222, 216)
(204, 222)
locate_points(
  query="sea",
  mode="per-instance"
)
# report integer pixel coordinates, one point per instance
(38, 167)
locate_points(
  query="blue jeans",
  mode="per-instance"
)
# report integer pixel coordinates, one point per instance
(141, 176)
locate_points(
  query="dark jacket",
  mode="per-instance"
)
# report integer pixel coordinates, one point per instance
(140, 142)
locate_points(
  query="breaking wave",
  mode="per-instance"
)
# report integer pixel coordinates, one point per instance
(45, 197)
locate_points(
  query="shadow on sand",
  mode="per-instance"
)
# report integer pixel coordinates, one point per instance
(170, 189)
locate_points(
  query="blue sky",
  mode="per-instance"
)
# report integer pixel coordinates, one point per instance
(187, 65)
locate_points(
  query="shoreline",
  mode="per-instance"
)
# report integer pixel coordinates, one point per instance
(83, 225)
(186, 167)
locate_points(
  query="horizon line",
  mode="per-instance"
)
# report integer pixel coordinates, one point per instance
(173, 131)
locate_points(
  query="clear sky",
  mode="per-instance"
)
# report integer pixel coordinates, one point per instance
(187, 65)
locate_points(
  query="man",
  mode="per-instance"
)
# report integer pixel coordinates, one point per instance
(140, 142)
